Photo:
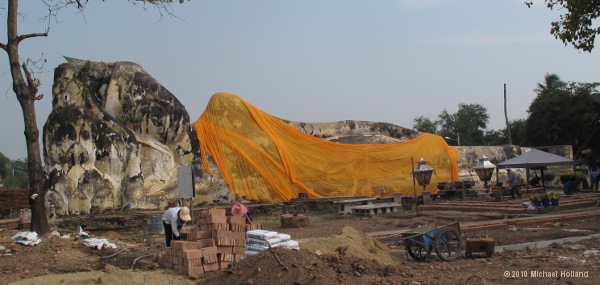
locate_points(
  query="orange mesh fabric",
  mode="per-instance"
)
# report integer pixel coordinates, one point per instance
(263, 158)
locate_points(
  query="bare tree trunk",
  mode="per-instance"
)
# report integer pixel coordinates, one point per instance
(39, 219)
(506, 117)
(26, 90)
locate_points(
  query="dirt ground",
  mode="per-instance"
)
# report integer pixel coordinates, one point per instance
(59, 260)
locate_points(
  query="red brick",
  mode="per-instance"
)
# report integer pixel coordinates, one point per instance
(209, 250)
(209, 259)
(479, 245)
(192, 253)
(214, 220)
(211, 267)
(212, 212)
(224, 249)
(236, 220)
(224, 265)
(238, 235)
(206, 242)
(239, 249)
(221, 233)
(203, 234)
(237, 228)
(195, 271)
(177, 244)
(187, 245)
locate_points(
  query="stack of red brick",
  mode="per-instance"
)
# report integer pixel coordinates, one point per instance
(14, 198)
(213, 243)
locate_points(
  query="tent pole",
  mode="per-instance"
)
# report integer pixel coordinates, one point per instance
(543, 182)
(497, 181)
(527, 182)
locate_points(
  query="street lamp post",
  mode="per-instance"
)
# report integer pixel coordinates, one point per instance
(484, 170)
(422, 173)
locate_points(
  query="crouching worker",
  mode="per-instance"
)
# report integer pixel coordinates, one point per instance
(173, 220)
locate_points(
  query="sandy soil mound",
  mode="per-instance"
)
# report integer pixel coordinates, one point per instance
(359, 245)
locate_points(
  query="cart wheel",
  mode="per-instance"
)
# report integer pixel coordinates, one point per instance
(447, 244)
(419, 253)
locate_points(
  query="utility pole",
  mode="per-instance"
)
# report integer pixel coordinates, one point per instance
(506, 116)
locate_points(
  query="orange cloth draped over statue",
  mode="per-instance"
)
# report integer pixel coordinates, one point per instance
(263, 158)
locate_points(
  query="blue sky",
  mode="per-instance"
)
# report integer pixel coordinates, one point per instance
(313, 61)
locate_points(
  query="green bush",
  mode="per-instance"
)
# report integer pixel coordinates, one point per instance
(579, 178)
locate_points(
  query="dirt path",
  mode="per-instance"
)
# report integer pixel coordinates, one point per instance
(558, 263)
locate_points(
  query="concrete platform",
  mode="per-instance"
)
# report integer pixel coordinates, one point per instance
(376, 209)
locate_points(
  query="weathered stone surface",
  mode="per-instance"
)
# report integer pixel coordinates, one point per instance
(114, 138)
(354, 132)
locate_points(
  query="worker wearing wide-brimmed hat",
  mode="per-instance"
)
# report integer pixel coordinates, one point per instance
(174, 219)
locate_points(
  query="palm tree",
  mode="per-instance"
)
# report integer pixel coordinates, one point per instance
(552, 83)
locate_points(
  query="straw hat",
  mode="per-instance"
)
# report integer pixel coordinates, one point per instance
(239, 210)
(184, 214)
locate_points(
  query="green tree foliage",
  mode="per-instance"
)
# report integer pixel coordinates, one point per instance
(4, 165)
(578, 25)
(565, 114)
(496, 137)
(14, 173)
(517, 131)
(424, 124)
(18, 176)
(468, 124)
(500, 137)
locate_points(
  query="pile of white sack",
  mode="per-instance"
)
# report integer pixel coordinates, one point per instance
(260, 240)
(98, 243)
(27, 238)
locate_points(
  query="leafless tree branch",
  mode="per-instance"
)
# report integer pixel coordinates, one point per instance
(28, 76)
(22, 37)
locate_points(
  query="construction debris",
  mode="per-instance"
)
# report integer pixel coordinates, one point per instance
(27, 238)
(294, 221)
(213, 244)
